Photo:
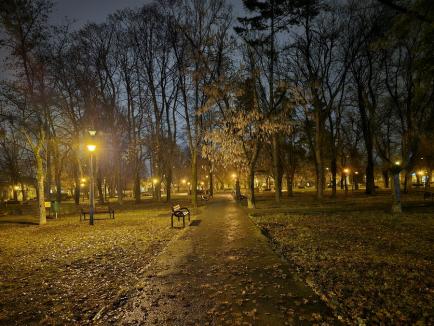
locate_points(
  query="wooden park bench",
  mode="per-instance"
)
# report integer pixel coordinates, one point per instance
(180, 212)
(98, 210)
(428, 194)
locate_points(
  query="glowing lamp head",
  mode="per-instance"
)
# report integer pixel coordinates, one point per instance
(346, 171)
(184, 181)
(420, 172)
(155, 181)
(91, 148)
(397, 162)
(234, 175)
(83, 180)
(356, 172)
(202, 183)
(16, 188)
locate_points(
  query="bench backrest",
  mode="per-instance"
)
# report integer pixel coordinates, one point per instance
(176, 208)
(97, 208)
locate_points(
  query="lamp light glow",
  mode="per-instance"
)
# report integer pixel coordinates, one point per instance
(91, 148)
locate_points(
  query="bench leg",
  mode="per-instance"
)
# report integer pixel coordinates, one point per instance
(183, 221)
(172, 220)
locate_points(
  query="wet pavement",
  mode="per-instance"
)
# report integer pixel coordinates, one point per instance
(220, 271)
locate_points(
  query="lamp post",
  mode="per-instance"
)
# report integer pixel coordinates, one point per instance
(237, 186)
(154, 188)
(346, 171)
(356, 180)
(91, 148)
(396, 187)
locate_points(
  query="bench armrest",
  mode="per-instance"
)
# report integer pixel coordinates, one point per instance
(185, 209)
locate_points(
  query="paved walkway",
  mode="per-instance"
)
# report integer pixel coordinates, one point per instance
(221, 271)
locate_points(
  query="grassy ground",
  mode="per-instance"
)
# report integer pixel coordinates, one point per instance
(66, 272)
(368, 265)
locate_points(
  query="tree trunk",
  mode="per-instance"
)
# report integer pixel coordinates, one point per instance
(276, 172)
(428, 179)
(370, 183)
(289, 183)
(386, 178)
(77, 189)
(99, 186)
(48, 181)
(137, 194)
(194, 178)
(367, 136)
(58, 180)
(211, 184)
(334, 170)
(40, 187)
(396, 194)
(24, 192)
(318, 156)
(169, 184)
(77, 175)
(407, 182)
(119, 187)
(237, 189)
(251, 202)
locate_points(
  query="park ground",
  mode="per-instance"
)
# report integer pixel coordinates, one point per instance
(346, 260)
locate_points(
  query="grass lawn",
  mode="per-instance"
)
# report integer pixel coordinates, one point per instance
(370, 266)
(66, 272)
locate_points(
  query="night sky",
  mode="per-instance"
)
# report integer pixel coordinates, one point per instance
(84, 11)
(95, 11)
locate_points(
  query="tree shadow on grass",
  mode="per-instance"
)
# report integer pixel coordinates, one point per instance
(18, 222)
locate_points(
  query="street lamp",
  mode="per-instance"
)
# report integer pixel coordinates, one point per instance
(346, 171)
(91, 148)
(237, 186)
(356, 180)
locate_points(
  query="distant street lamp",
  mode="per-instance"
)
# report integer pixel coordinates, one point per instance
(237, 186)
(155, 182)
(356, 180)
(91, 148)
(346, 172)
